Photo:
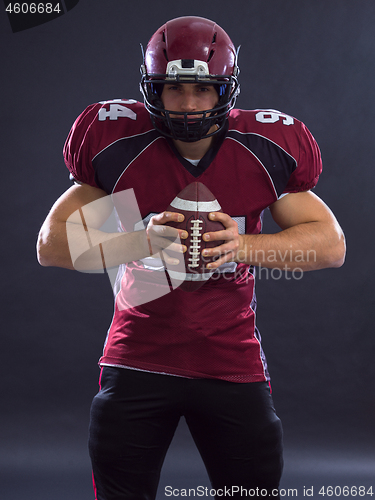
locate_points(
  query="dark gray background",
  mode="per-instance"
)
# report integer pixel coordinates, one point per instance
(313, 59)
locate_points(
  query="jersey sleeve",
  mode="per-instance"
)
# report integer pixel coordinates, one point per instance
(78, 147)
(309, 164)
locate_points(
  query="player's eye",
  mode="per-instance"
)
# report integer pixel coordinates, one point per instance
(173, 87)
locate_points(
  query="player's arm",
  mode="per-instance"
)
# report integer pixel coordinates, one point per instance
(310, 237)
(81, 250)
(71, 238)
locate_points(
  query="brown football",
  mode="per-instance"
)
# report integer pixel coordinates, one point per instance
(195, 202)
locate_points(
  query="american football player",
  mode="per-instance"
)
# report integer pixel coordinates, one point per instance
(193, 354)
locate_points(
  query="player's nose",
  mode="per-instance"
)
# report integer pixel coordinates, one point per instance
(188, 102)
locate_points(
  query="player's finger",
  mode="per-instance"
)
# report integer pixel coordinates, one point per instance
(169, 259)
(228, 249)
(231, 228)
(173, 247)
(166, 232)
(226, 257)
(165, 217)
(225, 219)
(164, 237)
(224, 234)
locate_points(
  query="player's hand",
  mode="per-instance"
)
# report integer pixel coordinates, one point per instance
(227, 251)
(165, 241)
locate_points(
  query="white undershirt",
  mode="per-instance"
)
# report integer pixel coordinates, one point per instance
(193, 162)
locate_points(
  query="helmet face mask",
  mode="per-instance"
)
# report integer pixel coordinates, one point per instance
(210, 60)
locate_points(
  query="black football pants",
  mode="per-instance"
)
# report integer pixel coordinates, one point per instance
(134, 417)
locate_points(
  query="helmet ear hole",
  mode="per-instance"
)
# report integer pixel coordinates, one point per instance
(223, 91)
(156, 90)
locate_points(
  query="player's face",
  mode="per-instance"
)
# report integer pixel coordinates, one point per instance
(189, 97)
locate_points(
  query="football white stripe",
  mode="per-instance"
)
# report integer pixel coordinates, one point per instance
(193, 206)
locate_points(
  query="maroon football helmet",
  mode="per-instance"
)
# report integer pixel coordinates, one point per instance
(189, 50)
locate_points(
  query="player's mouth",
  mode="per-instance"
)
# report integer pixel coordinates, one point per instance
(196, 117)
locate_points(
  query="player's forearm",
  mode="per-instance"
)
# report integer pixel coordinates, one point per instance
(110, 250)
(309, 246)
(67, 246)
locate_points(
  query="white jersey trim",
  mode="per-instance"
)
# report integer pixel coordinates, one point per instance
(125, 367)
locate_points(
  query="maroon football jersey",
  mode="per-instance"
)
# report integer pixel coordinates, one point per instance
(259, 156)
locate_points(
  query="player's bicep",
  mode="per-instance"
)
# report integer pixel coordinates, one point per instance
(52, 243)
(300, 208)
(82, 199)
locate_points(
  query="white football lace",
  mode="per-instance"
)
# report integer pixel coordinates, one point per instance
(195, 243)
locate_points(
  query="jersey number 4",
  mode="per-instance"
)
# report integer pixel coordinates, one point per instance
(116, 110)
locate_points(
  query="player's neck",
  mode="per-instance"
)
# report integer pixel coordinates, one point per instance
(193, 150)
